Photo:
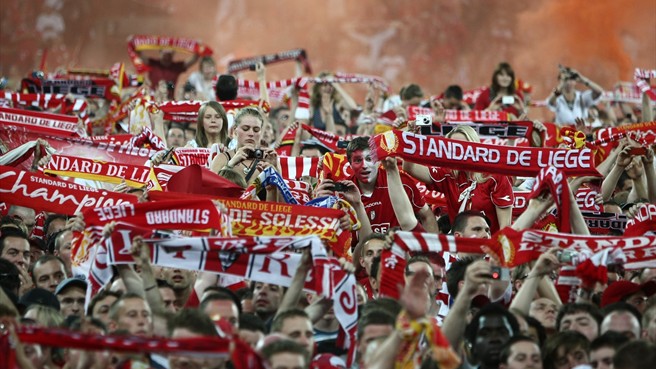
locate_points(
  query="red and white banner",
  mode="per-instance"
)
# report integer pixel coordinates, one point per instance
(239, 65)
(461, 155)
(64, 124)
(143, 43)
(77, 167)
(640, 76)
(44, 193)
(643, 223)
(297, 167)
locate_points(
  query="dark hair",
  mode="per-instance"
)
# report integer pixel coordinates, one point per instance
(315, 98)
(195, 321)
(201, 137)
(570, 340)
(455, 274)
(356, 144)
(9, 275)
(535, 324)
(375, 316)
(573, 308)
(375, 265)
(610, 339)
(494, 87)
(444, 224)
(285, 346)
(42, 260)
(635, 355)
(7, 232)
(505, 351)
(104, 293)
(279, 320)
(220, 294)
(461, 220)
(386, 304)
(622, 306)
(226, 88)
(51, 218)
(493, 309)
(251, 322)
(410, 91)
(454, 91)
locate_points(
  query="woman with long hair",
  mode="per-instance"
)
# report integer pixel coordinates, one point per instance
(502, 95)
(491, 194)
(211, 126)
(249, 157)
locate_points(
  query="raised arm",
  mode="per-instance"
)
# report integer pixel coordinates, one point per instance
(400, 202)
(141, 254)
(295, 290)
(546, 263)
(610, 182)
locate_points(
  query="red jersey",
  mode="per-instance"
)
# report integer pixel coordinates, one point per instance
(496, 191)
(379, 206)
(168, 73)
(484, 100)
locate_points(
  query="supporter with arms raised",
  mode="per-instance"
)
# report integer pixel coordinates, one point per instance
(373, 185)
(165, 69)
(502, 94)
(567, 102)
(490, 194)
(325, 102)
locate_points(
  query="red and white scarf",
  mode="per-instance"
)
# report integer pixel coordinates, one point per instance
(143, 43)
(555, 182)
(239, 65)
(296, 167)
(470, 156)
(640, 75)
(63, 124)
(78, 167)
(17, 156)
(41, 192)
(187, 111)
(643, 223)
(46, 101)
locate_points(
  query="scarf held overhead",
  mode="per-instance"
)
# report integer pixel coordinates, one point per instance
(462, 155)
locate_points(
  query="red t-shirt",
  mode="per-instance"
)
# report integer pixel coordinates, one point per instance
(379, 206)
(496, 191)
(484, 100)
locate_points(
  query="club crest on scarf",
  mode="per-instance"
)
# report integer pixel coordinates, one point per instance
(507, 249)
(389, 143)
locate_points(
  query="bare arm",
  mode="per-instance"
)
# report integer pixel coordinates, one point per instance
(401, 204)
(191, 61)
(455, 322)
(346, 99)
(261, 78)
(610, 182)
(504, 215)
(428, 220)
(141, 254)
(418, 171)
(546, 263)
(536, 208)
(647, 112)
(650, 174)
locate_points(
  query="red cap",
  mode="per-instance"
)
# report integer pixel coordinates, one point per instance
(620, 290)
(197, 180)
(327, 361)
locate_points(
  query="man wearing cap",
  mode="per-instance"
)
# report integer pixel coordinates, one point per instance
(632, 293)
(71, 294)
(48, 272)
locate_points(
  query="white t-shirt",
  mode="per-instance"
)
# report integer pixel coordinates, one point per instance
(567, 113)
(204, 88)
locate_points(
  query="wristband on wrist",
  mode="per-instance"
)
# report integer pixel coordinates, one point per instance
(150, 288)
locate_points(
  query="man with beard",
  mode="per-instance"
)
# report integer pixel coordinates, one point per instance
(182, 282)
(488, 332)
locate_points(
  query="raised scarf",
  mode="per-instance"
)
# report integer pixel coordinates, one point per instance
(79, 167)
(643, 223)
(90, 87)
(46, 101)
(144, 42)
(34, 190)
(239, 65)
(187, 111)
(554, 181)
(462, 155)
(60, 123)
(640, 76)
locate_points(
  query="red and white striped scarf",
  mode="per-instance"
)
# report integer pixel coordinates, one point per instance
(471, 156)
(187, 111)
(298, 166)
(239, 65)
(79, 167)
(144, 42)
(639, 76)
(643, 223)
(63, 124)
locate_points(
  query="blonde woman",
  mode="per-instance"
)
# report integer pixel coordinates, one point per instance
(247, 131)
(490, 194)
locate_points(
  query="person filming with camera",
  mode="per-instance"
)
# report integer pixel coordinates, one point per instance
(569, 103)
(248, 158)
